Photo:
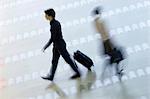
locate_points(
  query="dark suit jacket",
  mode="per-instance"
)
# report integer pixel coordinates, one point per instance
(56, 35)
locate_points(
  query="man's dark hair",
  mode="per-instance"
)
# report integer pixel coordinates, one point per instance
(97, 10)
(50, 12)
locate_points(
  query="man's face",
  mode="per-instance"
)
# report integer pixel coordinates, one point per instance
(50, 18)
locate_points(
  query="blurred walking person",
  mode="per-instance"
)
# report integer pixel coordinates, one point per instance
(115, 54)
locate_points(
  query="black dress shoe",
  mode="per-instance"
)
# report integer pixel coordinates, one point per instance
(75, 76)
(47, 78)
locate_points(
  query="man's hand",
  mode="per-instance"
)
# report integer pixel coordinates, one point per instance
(43, 50)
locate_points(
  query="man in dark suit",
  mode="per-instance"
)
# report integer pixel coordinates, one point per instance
(59, 46)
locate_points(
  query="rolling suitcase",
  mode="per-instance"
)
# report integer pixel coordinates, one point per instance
(83, 59)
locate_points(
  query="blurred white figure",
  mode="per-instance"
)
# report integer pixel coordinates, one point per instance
(110, 49)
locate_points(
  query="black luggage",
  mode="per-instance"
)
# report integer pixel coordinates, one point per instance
(83, 59)
(117, 55)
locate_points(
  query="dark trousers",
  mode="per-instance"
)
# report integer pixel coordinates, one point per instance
(61, 50)
(108, 47)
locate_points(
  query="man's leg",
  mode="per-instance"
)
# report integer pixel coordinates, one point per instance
(55, 59)
(104, 68)
(67, 58)
(119, 71)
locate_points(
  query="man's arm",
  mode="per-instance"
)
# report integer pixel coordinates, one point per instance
(56, 31)
(47, 45)
(101, 28)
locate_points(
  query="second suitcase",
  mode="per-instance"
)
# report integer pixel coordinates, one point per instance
(83, 59)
